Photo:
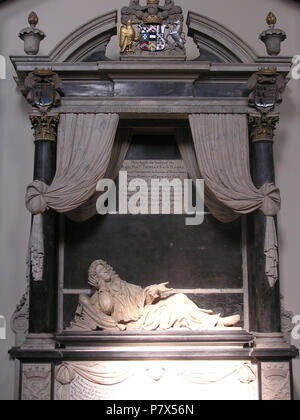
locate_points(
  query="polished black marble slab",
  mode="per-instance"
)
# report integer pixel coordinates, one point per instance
(160, 88)
(88, 89)
(225, 304)
(224, 90)
(147, 249)
(153, 89)
(153, 147)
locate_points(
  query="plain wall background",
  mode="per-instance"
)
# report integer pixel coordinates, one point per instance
(60, 17)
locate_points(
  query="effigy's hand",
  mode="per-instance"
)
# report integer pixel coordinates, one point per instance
(163, 290)
(156, 292)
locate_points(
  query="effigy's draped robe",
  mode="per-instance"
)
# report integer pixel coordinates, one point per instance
(128, 300)
(176, 311)
(131, 309)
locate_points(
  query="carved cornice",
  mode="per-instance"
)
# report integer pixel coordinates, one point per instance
(45, 127)
(262, 127)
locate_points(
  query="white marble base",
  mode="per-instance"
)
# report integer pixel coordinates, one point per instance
(168, 380)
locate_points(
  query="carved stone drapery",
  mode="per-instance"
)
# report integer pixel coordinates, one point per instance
(139, 380)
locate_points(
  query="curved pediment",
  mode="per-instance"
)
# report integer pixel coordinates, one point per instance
(217, 43)
(87, 40)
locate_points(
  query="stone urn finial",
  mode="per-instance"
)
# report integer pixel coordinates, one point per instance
(32, 36)
(272, 37)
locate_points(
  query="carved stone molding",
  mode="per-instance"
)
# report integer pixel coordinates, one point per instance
(211, 36)
(36, 382)
(87, 40)
(262, 127)
(45, 127)
(276, 382)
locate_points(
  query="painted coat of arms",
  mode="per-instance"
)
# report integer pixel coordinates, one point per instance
(266, 87)
(43, 89)
(43, 93)
(152, 28)
(152, 37)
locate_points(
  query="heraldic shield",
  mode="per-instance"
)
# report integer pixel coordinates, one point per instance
(152, 37)
(43, 93)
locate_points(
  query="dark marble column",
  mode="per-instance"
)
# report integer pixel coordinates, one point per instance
(264, 300)
(43, 294)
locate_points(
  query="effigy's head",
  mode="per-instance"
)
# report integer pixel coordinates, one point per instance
(100, 271)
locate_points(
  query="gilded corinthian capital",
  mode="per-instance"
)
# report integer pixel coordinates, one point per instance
(262, 127)
(45, 127)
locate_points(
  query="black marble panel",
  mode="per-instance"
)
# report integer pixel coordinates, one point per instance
(230, 90)
(92, 89)
(96, 56)
(69, 308)
(225, 304)
(153, 89)
(206, 55)
(153, 148)
(147, 249)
